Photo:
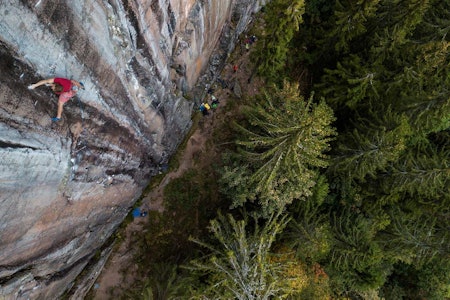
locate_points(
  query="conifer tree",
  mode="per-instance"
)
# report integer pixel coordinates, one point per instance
(351, 20)
(400, 19)
(417, 237)
(430, 281)
(309, 230)
(356, 258)
(351, 83)
(422, 175)
(240, 264)
(282, 20)
(370, 148)
(436, 22)
(434, 279)
(388, 84)
(283, 146)
(165, 282)
(399, 66)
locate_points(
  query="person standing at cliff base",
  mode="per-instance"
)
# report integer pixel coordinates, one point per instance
(215, 102)
(65, 88)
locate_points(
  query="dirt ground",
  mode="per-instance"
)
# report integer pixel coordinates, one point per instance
(119, 272)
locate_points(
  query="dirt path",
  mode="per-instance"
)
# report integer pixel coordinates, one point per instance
(120, 270)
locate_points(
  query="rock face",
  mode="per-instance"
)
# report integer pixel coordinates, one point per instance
(66, 186)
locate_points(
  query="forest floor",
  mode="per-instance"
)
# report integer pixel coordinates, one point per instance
(121, 270)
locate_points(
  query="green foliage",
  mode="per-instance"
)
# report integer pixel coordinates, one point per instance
(430, 281)
(166, 282)
(282, 20)
(434, 279)
(309, 231)
(195, 195)
(161, 283)
(417, 238)
(282, 148)
(354, 247)
(356, 256)
(420, 87)
(234, 182)
(401, 18)
(164, 242)
(389, 176)
(400, 66)
(350, 20)
(317, 289)
(368, 150)
(147, 294)
(315, 9)
(424, 175)
(436, 22)
(351, 83)
(240, 265)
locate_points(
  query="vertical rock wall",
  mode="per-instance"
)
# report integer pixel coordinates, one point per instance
(66, 186)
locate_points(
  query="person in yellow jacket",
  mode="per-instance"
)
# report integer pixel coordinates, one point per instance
(204, 107)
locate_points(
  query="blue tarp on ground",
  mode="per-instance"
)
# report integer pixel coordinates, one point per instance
(136, 212)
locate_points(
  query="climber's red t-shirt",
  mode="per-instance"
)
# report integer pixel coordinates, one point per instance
(65, 83)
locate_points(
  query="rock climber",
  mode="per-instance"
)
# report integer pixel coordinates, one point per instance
(65, 88)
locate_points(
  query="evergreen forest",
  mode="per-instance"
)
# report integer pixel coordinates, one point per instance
(336, 182)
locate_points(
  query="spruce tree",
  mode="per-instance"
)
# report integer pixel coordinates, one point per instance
(240, 265)
(368, 149)
(417, 237)
(356, 259)
(350, 20)
(422, 175)
(352, 83)
(282, 147)
(389, 88)
(387, 80)
(282, 20)
(309, 231)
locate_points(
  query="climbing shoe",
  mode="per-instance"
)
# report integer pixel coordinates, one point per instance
(55, 119)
